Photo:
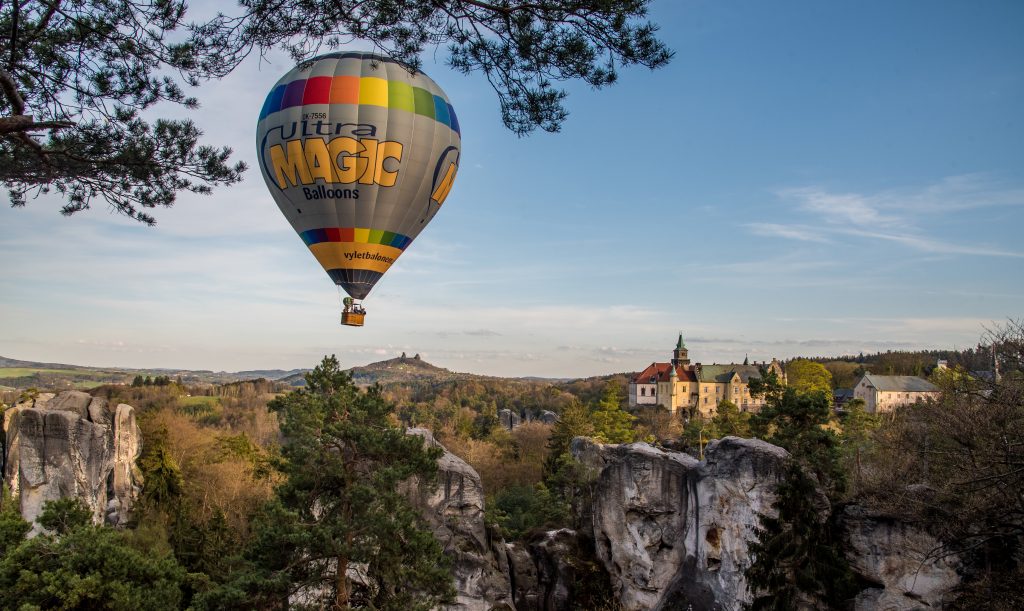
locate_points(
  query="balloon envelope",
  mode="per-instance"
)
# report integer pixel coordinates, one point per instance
(359, 155)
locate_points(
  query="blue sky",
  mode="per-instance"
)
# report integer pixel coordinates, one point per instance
(804, 178)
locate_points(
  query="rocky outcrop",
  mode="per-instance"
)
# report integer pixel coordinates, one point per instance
(670, 529)
(543, 572)
(901, 561)
(73, 445)
(547, 417)
(509, 419)
(670, 532)
(674, 532)
(454, 508)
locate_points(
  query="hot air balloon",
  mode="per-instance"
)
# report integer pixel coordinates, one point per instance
(359, 153)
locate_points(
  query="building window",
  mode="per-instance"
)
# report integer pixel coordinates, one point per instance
(705, 400)
(643, 392)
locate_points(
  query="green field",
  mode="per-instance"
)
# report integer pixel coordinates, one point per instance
(198, 401)
(21, 372)
(205, 409)
(87, 384)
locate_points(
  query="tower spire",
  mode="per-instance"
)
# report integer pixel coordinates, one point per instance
(680, 355)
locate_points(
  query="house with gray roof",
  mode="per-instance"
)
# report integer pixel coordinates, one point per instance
(886, 393)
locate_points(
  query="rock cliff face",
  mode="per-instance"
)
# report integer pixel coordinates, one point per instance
(543, 572)
(672, 530)
(674, 533)
(454, 508)
(900, 560)
(73, 445)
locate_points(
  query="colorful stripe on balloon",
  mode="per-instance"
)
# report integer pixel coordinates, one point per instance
(364, 90)
(356, 235)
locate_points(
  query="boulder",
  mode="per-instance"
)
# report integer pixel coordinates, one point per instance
(73, 445)
(509, 419)
(548, 417)
(901, 561)
(672, 530)
(454, 508)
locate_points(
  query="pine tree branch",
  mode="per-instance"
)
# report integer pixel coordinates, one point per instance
(26, 123)
(10, 89)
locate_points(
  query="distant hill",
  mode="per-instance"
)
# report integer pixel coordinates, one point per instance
(9, 363)
(17, 373)
(404, 369)
(270, 374)
(399, 370)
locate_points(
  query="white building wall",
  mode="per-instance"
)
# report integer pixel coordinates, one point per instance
(867, 393)
(642, 394)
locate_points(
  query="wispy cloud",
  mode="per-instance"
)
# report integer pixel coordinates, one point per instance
(470, 333)
(896, 216)
(803, 233)
(935, 246)
(839, 208)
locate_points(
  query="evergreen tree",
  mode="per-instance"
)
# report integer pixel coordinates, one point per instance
(486, 421)
(64, 515)
(137, 381)
(563, 476)
(797, 421)
(697, 432)
(573, 422)
(797, 561)
(81, 566)
(612, 424)
(162, 480)
(12, 527)
(338, 509)
(729, 420)
(857, 425)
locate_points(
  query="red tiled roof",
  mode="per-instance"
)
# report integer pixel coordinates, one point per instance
(660, 371)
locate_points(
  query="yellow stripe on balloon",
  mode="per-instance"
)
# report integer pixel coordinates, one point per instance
(373, 91)
(352, 255)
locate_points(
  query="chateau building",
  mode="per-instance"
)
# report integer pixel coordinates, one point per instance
(680, 384)
(884, 393)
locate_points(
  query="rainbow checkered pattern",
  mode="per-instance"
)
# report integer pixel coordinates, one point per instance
(358, 235)
(365, 90)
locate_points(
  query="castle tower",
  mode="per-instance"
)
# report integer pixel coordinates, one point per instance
(680, 356)
(673, 380)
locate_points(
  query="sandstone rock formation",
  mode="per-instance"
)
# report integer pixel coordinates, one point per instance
(669, 528)
(901, 560)
(509, 419)
(73, 445)
(454, 508)
(542, 572)
(547, 417)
